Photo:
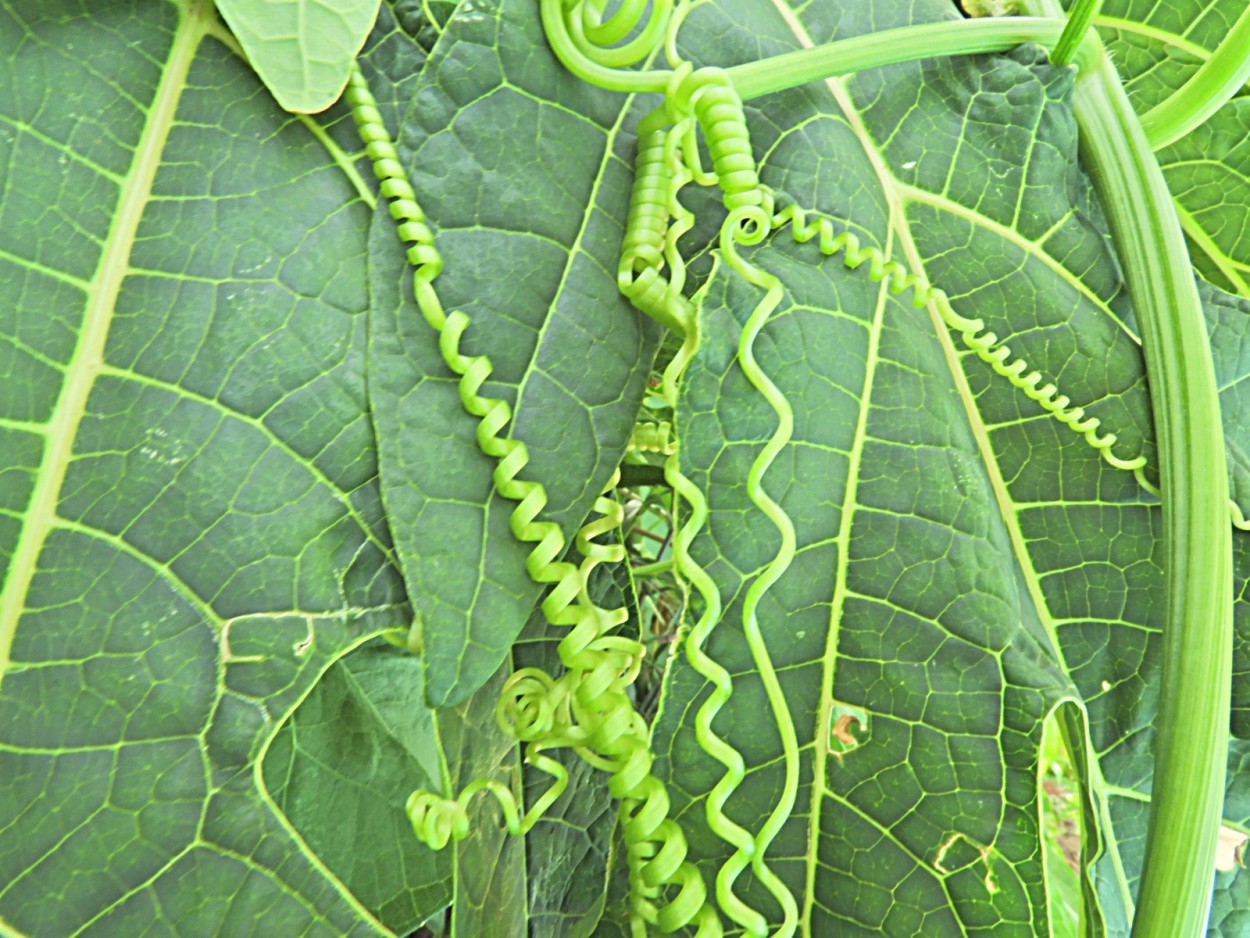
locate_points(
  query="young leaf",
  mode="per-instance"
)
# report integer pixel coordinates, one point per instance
(302, 49)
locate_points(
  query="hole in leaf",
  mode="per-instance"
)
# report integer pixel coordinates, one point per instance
(848, 729)
(1230, 850)
(960, 852)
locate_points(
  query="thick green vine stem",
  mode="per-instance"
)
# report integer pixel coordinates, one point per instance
(902, 44)
(1191, 748)
(1192, 728)
(588, 708)
(1221, 77)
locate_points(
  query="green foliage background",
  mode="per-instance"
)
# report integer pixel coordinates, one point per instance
(208, 516)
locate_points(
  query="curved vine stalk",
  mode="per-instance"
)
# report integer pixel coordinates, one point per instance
(1214, 84)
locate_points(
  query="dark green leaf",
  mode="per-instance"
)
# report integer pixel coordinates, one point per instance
(191, 530)
(524, 173)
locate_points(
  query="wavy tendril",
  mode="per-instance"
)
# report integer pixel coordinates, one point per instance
(750, 206)
(681, 160)
(705, 99)
(744, 226)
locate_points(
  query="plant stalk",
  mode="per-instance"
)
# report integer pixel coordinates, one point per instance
(1208, 89)
(1192, 732)
(891, 46)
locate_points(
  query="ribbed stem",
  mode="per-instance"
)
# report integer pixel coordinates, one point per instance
(890, 46)
(1208, 89)
(1192, 731)
(1080, 17)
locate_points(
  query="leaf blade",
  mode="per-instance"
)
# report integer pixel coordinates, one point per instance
(536, 277)
(302, 49)
(211, 531)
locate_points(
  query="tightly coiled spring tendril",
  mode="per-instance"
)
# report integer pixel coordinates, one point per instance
(589, 707)
(654, 438)
(971, 331)
(645, 250)
(974, 336)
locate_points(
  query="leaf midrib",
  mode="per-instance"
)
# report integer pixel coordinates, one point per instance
(88, 356)
(1153, 32)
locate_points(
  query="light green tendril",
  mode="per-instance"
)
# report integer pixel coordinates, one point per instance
(750, 225)
(651, 437)
(974, 336)
(682, 162)
(588, 708)
(667, 161)
(972, 332)
(582, 40)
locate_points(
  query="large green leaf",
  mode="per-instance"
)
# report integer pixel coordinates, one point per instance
(964, 563)
(524, 173)
(191, 530)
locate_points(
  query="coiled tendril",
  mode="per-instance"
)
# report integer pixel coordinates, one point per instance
(654, 438)
(971, 331)
(588, 707)
(975, 337)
